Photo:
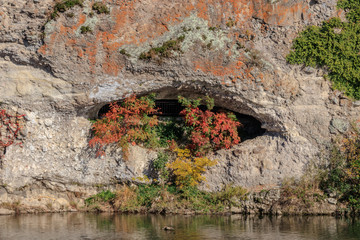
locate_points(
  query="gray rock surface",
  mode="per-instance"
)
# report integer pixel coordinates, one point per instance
(4, 211)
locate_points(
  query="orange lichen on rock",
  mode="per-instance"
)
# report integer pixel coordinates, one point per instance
(236, 70)
(282, 13)
(131, 23)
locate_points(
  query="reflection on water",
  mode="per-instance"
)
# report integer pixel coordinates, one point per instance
(113, 226)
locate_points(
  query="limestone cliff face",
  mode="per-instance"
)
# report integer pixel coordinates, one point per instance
(233, 50)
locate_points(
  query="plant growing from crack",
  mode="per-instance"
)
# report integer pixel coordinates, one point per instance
(100, 8)
(63, 6)
(166, 50)
(85, 29)
(9, 130)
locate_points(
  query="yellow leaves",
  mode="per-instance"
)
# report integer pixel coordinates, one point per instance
(188, 169)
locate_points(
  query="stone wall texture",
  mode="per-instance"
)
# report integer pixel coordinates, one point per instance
(233, 51)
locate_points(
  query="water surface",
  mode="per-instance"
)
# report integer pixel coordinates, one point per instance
(119, 226)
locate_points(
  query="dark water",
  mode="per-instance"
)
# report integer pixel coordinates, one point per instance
(109, 226)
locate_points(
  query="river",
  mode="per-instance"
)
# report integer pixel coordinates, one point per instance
(120, 226)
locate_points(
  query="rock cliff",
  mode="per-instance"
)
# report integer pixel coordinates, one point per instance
(60, 69)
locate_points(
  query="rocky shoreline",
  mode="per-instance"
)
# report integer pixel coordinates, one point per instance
(56, 198)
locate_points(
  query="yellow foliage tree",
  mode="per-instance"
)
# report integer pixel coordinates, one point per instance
(188, 169)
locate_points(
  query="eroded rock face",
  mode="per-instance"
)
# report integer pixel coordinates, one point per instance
(232, 50)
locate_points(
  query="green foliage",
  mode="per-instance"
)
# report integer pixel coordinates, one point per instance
(85, 29)
(160, 162)
(340, 177)
(146, 194)
(305, 191)
(64, 6)
(104, 196)
(154, 197)
(159, 165)
(164, 51)
(209, 201)
(231, 195)
(352, 7)
(199, 200)
(230, 22)
(168, 131)
(334, 45)
(100, 8)
(123, 52)
(344, 171)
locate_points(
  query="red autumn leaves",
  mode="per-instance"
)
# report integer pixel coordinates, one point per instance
(133, 122)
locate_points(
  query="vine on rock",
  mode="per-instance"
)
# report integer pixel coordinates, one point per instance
(9, 130)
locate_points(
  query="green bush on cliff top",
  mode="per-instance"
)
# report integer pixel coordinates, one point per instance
(65, 5)
(336, 46)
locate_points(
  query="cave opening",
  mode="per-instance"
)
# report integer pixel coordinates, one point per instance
(169, 109)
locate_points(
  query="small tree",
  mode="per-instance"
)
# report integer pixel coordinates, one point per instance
(208, 130)
(126, 123)
(187, 169)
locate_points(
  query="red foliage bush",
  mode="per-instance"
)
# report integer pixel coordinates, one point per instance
(9, 129)
(130, 123)
(208, 130)
(126, 123)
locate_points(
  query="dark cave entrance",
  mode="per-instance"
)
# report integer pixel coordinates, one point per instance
(170, 109)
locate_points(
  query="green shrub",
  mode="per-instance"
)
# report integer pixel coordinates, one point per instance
(230, 195)
(146, 194)
(123, 52)
(104, 196)
(168, 131)
(353, 9)
(344, 171)
(304, 191)
(334, 45)
(198, 200)
(100, 8)
(164, 51)
(155, 197)
(85, 29)
(159, 165)
(64, 6)
(230, 22)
